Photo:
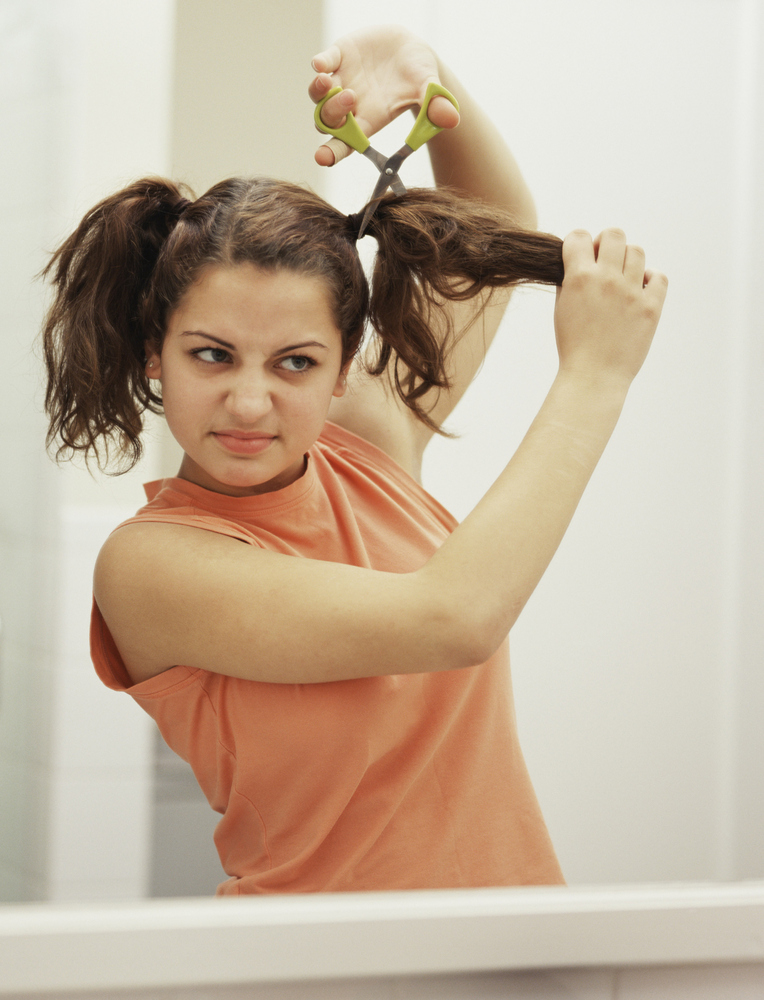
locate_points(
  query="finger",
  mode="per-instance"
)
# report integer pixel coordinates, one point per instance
(327, 61)
(656, 285)
(332, 152)
(336, 109)
(320, 87)
(442, 113)
(634, 264)
(577, 251)
(610, 248)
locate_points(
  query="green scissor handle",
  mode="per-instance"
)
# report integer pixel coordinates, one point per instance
(424, 129)
(350, 132)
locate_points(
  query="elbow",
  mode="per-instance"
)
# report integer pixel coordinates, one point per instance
(484, 641)
(488, 627)
(461, 634)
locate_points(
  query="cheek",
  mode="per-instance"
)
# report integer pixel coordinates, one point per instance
(171, 395)
(310, 405)
(308, 408)
(184, 398)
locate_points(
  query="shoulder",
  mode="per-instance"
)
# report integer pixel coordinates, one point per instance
(133, 542)
(145, 573)
(141, 552)
(124, 562)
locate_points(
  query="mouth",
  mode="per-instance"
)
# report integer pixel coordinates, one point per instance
(242, 443)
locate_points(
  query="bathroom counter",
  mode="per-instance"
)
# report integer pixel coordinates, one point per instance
(171, 943)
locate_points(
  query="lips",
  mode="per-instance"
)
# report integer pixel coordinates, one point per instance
(243, 443)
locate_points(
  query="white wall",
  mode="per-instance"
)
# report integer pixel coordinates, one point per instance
(85, 107)
(626, 659)
(746, 591)
(28, 493)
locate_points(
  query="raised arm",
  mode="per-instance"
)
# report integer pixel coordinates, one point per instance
(475, 159)
(384, 72)
(173, 594)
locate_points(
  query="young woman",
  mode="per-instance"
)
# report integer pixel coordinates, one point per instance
(339, 682)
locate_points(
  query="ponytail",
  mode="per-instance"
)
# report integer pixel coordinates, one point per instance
(93, 335)
(436, 246)
(120, 275)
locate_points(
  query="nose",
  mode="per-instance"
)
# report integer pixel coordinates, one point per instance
(248, 397)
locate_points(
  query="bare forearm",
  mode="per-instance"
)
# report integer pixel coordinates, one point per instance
(475, 158)
(492, 563)
(605, 318)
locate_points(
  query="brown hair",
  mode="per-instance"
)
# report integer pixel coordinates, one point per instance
(125, 268)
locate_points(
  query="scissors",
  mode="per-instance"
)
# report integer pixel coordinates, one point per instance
(352, 134)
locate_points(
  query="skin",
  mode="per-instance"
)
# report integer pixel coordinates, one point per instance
(385, 73)
(211, 602)
(248, 353)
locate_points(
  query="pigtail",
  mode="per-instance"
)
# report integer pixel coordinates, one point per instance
(437, 246)
(93, 335)
(120, 275)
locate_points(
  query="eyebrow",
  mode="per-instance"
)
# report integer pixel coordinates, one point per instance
(201, 333)
(299, 347)
(224, 343)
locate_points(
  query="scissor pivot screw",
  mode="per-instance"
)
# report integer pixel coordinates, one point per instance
(388, 171)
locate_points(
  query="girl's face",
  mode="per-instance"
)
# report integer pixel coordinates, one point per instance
(249, 365)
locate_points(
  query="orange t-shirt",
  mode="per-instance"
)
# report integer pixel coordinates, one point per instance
(412, 781)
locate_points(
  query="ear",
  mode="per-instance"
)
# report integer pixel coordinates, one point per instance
(153, 366)
(342, 381)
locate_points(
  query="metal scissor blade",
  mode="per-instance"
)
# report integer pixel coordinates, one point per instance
(370, 210)
(388, 178)
(381, 162)
(382, 185)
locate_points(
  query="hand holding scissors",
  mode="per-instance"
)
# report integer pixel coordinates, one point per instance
(388, 167)
(376, 74)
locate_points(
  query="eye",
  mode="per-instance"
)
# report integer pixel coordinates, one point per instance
(216, 355)
(297, 363)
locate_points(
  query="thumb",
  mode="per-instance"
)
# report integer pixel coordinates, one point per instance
(442, 113)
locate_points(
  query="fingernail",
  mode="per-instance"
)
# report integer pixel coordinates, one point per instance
(313, 65)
